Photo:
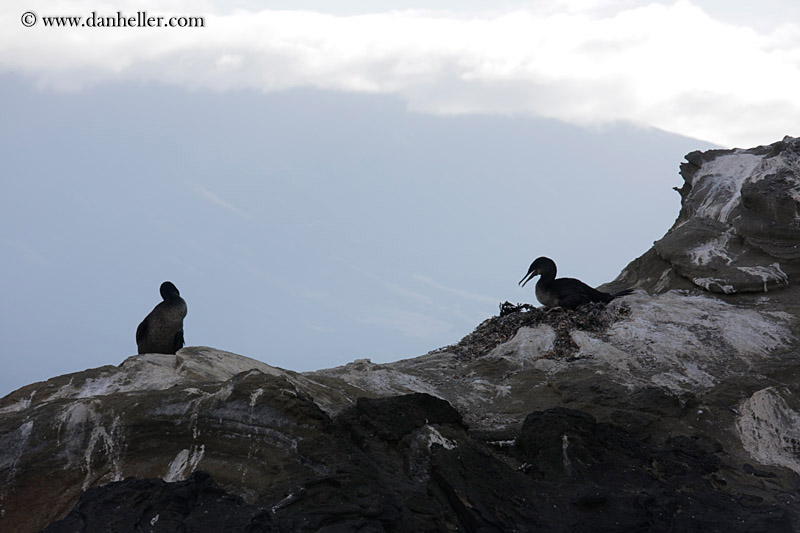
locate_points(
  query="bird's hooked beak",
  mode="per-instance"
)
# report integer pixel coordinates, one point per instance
(532, 273)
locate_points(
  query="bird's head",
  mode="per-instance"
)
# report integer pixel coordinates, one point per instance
(541, 265)
(169, 291)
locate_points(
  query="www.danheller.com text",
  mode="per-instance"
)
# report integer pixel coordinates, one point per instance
(140, 20)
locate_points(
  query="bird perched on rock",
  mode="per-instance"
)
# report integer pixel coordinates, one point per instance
(162, 330)
(563, 292)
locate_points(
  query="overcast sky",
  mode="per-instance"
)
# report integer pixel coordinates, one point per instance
(326, 181)
(703, 69)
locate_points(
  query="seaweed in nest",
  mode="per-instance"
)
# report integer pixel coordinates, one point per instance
(492, 332)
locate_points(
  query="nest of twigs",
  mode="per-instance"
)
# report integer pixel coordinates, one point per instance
(591, 317)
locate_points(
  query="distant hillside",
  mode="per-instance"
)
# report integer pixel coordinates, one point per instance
(304, 228)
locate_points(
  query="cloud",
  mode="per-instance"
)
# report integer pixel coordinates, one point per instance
(413, 296)
(671, 66)
(409, 323)
(221, 202)
(458, 292)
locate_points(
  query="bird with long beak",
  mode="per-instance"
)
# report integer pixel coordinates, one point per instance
(563, 292)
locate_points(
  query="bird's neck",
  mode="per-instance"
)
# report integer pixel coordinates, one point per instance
(547, 277)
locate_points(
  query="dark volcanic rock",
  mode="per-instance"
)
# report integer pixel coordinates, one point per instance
(576, 475)
(485, 494)
(613, 482)
(153, 505)
(393, 418)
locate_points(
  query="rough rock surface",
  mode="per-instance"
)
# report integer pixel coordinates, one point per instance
(674, 409)
(739, 226)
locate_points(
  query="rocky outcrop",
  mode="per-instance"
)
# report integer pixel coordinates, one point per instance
(391, 467)
(673, 409)
(739, 226)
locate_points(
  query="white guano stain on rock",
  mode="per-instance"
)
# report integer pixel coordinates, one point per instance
(12, 459)
(717, 186)
(72, 427)
(663, 280)
(565, 455)
(769, 428)
(707, 283)
(202, 400)
(20, 405)
(82, 434)
(772, 272)
(690, 342)
(255, 395)
(600, 352)
(195, 364)
(105, 438)
(708, 251)
(483, 390)
(528, 345)
(185, 463)
(432, 437)
(379, 379)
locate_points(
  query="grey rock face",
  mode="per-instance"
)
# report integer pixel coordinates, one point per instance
(739, 225)
(676, 408)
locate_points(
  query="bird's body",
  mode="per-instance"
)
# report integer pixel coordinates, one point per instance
(162, 330)
(563, 292)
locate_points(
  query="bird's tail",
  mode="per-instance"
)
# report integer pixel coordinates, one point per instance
(622, 293)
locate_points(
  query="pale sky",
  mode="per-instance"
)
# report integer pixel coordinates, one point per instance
(325, 182)
(717, 71)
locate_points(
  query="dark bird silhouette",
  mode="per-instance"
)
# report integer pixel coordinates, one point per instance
(162, 330)
(563, 292)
